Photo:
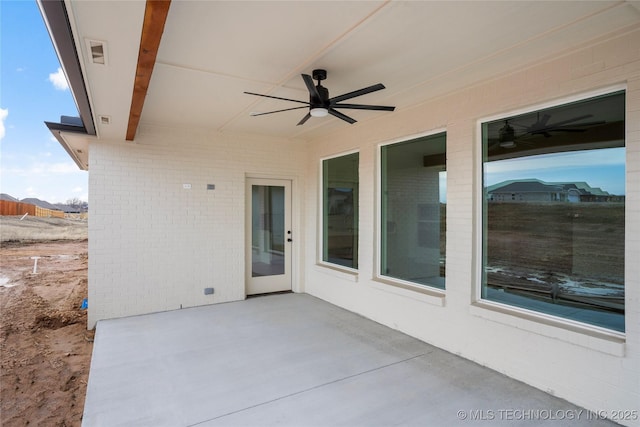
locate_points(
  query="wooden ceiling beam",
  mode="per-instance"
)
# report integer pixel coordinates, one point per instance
(155, 16)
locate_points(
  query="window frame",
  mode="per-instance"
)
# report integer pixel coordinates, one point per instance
(535, 321)
(321, 238)
(430, 294)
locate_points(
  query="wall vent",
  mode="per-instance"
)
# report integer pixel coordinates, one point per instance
(104, 120)
(97, 51)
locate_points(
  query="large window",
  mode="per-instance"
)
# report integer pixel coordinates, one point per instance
(413, 219)
(340, 210)
(554, 211)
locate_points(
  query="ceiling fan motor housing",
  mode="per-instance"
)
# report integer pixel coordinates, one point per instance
(323, 101)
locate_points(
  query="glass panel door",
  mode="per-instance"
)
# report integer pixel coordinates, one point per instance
(269, 236)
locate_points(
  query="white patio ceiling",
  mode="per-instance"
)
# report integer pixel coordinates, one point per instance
(213, 51)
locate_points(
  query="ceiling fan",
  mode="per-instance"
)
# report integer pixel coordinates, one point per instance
(320, 105)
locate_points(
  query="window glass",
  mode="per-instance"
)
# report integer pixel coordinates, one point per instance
(413, 216)
(554, 211)
(340, 210)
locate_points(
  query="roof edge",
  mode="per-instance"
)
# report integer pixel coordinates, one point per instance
(56, 19)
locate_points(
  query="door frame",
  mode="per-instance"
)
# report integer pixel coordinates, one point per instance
(250, 285)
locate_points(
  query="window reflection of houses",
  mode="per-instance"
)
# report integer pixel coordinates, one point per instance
(535, 190)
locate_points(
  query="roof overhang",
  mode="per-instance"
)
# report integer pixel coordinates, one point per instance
(74, 138)
(73, 133)
(205, 56)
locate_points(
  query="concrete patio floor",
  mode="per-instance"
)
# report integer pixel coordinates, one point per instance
(295, 360)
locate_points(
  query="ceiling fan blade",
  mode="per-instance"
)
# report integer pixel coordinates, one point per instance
(277, 97)
(277, 111)
(601, 122)
(355, 93)
(564, 122)
(308, 80)
(544, 120)
(578, 125)
(567, 130)
(364, 107)
(304, 119)
(339, 115)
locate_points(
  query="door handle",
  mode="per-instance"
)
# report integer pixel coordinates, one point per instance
(289, 239)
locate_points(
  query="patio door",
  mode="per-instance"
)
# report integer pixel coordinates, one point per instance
(269, 236)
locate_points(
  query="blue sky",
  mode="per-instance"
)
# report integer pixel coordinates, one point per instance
(33, 89)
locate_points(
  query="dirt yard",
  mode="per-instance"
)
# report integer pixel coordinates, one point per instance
(45, 347)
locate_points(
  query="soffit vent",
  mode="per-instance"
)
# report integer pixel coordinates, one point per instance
(97, 51)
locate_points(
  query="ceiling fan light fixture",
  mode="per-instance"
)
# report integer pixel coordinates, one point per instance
(319, 112)
(508, 144)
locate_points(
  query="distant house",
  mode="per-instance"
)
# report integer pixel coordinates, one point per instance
(535, 190)
(7, 197)
(75, 208)
(40, 203)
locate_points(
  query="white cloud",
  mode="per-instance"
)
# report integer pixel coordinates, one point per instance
(4, 112)
(31, 192)
(45, 169)
(53, 182)
(62, 168)
(59, 80)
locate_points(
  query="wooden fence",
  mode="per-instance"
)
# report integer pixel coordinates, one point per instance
(8, 207)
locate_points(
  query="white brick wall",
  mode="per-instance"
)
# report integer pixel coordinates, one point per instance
(592, 371)
(154, 246)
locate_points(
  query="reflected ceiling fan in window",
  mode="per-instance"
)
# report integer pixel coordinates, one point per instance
(320, 105)
(509, 137)
(543, 127)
